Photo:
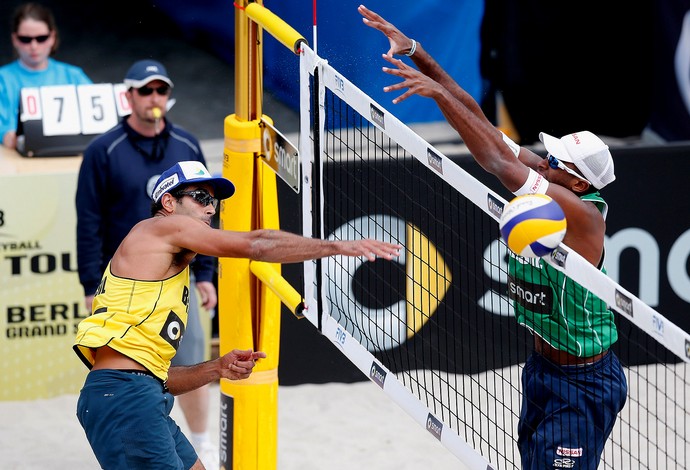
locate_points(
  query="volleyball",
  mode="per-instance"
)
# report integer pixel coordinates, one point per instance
(532, 225)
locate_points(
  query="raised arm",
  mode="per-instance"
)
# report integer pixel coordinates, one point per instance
(400, 44)
(483, 140)
(487, 146)
(518, 169)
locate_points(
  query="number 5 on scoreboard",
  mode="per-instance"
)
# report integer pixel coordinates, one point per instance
(97, 108)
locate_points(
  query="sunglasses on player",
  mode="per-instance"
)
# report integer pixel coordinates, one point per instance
(556, 164)
(201, 196)
(162, 90)
(28, 39)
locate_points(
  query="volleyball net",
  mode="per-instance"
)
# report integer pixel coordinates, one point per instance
(435, 327)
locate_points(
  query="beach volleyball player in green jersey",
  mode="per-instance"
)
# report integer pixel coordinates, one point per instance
(573, 385)
(139, 314)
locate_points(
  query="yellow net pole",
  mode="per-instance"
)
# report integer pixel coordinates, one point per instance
(237, 289)
(237, 298)
(267, 331)
(249, 309)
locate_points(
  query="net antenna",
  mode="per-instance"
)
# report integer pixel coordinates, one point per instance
(434, 328)
(314, 35)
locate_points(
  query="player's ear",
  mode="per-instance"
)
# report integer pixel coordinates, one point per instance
(580, 185)
(167, 201)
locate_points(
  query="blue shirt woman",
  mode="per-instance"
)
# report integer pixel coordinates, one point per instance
(34, 38)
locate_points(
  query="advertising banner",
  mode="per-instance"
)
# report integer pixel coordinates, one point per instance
(41, 300)
(647, 252)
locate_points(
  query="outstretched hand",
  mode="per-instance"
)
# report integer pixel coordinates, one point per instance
(370, 249)
(238, 364)
(415, 81)
(399, 43)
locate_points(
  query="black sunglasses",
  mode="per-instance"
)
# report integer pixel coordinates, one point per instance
(162, 90)
(39, 39)
(201, 196)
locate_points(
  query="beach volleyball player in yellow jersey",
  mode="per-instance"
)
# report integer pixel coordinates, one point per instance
(140, 310)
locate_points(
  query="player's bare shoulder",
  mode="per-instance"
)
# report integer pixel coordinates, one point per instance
(172, 222)
(160, 230)
(179, 231)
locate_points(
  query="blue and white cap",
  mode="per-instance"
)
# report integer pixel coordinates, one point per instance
(143, 72)
(191, 172)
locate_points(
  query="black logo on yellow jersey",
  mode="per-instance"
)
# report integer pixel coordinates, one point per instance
(173, 330)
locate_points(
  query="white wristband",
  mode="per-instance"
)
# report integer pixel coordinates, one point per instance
(534, 184)
(515, 148)
(413, 49)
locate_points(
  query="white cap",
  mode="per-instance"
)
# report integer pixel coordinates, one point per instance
(587, 152)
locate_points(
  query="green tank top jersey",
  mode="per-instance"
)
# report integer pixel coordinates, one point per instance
(559, 310)
(144, 320)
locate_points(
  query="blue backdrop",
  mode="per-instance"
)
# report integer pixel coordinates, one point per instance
(448, 30)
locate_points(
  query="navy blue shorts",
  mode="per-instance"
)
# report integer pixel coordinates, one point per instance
(127, 421)
(568, 412)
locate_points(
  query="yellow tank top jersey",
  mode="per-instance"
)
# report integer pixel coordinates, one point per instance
(144, 320)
